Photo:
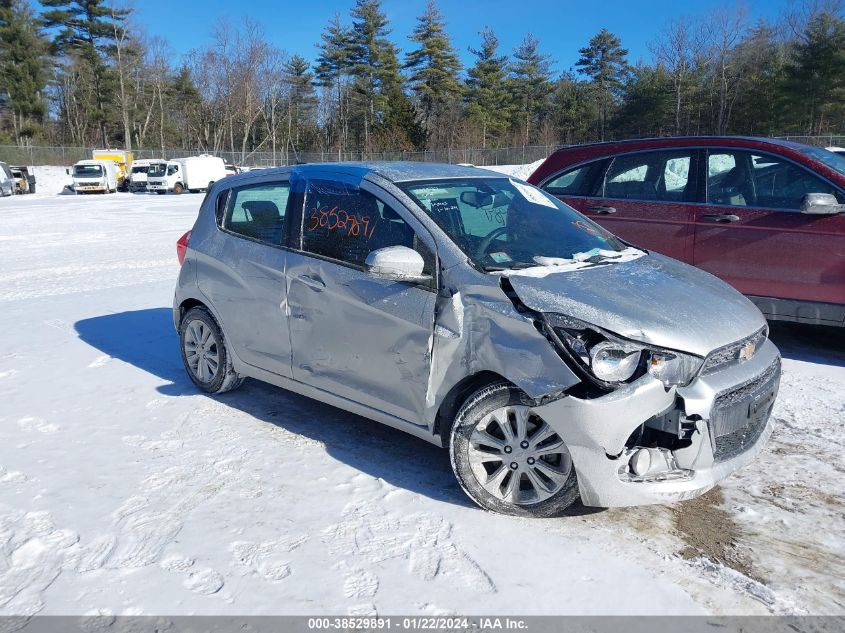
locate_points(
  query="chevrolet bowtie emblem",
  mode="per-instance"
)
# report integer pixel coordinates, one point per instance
(747, 350)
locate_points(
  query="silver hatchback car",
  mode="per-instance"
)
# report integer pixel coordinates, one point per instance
(471, 309)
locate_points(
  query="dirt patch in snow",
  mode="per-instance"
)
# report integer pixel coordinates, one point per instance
(710, 532)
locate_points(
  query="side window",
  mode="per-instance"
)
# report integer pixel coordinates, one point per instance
(258, 211)
(661, 176)
(783, 185)
(346, 223)
(575, 182)
(729, 179)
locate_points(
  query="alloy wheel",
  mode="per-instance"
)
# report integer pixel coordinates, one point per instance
(517, 457)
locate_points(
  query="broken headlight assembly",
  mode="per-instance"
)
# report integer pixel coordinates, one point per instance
(610, 361)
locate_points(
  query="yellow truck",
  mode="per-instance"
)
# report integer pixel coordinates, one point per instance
(122, 159)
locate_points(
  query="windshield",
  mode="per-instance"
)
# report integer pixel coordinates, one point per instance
(156, 170)
(87, 171)
(501, 223)
(826, 157)
(140, 169)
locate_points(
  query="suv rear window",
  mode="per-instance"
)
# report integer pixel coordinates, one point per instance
(258, 212)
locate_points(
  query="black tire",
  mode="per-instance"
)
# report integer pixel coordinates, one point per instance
(225, 379)
(474, 409)
(178, 188)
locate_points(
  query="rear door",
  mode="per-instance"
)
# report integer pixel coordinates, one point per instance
(245, 277)
(362, 338)
(643, 197)
(753, 235)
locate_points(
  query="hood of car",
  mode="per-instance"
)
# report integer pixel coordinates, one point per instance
(652, 299)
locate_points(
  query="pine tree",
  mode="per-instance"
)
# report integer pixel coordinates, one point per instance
(378, 80)
(531, 83)
(87, 29)
(332, 68)
(434, 66)
(302, 101)
(488, 99)
(574, 110)
(603, 60)
(23, 73)
(815, 79)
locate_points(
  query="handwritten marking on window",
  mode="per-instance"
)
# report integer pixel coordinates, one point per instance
(334, 219)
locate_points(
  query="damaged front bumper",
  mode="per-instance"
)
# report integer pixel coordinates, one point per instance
(694, 436)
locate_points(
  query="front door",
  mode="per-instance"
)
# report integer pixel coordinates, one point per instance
(353, 335)
(753, 235)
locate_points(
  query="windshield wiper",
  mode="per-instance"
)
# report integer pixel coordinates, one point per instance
(516, 266)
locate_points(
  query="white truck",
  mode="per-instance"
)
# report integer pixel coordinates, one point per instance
(138, 174)
(195, 173)
(91, 176)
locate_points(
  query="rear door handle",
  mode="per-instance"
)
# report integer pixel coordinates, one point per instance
(724, 218)
(602, 209)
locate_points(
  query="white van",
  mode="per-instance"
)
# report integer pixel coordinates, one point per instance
(195, 173)
(164, 176)
(94, 176)
(138, 174)
(200, 172)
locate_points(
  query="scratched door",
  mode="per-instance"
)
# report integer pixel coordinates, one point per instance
(352, 334)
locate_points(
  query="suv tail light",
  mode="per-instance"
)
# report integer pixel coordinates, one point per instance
(182, 247)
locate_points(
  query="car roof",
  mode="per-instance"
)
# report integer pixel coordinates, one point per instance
(658, 141)
(398, 171)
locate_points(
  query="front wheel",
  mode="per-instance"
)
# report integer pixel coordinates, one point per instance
(178, 188)
(507, 459)
(204, 353)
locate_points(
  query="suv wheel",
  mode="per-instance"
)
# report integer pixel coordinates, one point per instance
(204, 353)
(509, 460)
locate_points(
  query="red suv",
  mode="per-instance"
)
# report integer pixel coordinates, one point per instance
(765, 215)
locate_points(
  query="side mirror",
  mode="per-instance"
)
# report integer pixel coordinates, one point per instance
(476, 199)
(821, 204)
(398, 263)
(67, 171)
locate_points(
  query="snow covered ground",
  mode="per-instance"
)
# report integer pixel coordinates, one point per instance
(124, 490)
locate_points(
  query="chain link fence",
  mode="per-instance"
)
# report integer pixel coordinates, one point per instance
(37, 155)
(519, 155)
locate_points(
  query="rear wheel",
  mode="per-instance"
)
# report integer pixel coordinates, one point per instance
(507, 459)
(178, 188)
(204, 353)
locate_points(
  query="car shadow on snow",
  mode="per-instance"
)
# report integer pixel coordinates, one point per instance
(147, 340)
(810, 343)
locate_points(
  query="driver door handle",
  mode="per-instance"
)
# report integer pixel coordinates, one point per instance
(724, 218)
(602, 209)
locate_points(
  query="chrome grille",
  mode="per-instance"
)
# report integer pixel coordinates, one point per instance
(739, 415)
(730, 354)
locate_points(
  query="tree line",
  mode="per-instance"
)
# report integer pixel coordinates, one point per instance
(82, 73)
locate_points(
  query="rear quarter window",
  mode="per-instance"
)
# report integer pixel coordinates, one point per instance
(257, 211)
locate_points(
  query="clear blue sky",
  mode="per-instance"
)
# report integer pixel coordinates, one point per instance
(562, 26)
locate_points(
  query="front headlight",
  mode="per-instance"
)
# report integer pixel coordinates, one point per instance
(611, 360)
